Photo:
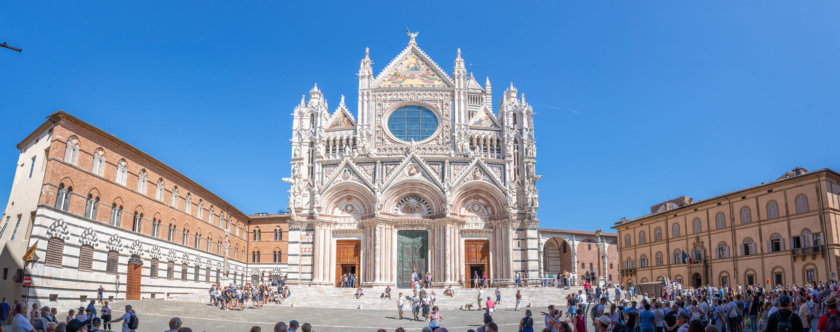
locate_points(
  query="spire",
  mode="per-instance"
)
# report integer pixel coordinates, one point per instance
(341, 104)
(367, 53)
(459, 64)
(303, 100)
(487, 83)
(365, 69)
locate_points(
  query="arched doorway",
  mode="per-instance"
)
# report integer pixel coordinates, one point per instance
(697, 280)
(132, 287)
(557, 256)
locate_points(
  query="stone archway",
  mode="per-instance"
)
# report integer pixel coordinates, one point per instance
(557, 256)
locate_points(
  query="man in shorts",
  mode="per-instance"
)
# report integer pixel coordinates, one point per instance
(400, 305)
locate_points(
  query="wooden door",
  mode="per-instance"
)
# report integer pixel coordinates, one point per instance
(476, 255)
(132, 286)
(347, 253)
(412, 247)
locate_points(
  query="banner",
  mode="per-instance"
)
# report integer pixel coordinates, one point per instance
(29, 256)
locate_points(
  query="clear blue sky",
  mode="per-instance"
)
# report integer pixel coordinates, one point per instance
(636, 102)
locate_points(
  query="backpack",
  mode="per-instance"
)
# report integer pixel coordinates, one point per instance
(620, 326)
(785, 325)
(833, 324)
(733, 311)
(133, 322)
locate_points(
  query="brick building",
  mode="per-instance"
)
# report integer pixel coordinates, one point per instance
(777, 233)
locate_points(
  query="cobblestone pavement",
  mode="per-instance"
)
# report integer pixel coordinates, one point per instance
(155, 315)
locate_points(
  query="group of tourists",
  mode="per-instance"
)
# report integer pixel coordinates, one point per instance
(44, 319)
(348, 280)
(255, 296)
(177, 325)
(422, 305)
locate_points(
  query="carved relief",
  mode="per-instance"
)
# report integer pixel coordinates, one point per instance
(58, 229)
(88, 237)
(114, 243)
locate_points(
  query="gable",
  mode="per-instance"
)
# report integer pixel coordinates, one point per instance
(341, 120)
(484, 119)
(412, 71)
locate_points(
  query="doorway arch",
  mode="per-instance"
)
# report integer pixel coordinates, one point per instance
(557, 256)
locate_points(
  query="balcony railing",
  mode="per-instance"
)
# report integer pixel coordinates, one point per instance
(627, 271)
(813, 250)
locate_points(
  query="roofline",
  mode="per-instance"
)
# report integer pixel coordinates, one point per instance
(548, 230)
(268, 216)
(62, 115)
(812, 173)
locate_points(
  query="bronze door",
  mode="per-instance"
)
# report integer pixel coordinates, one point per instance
(412, 247)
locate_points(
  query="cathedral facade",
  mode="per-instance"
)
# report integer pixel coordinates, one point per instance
(426, 178)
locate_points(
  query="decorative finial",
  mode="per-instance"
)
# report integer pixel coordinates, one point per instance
(341, 104)
(411, 35)
(303, 100)
(487, 81)
(459, 53)
(367, 52)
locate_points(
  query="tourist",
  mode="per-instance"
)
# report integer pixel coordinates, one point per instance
(70, 316)
(696, 325)
(435, 318)
(490, 306)
(549, 317)
(92, 307)
(784, 316)
(5, 310)
(425, 305)
(804, 313)
(579, 321)
(526, 324)
(518, 300)
(602, 323)
(293, 325)
(281, 327)
(517, 279)
(255, 329)
(480, 296)
(35, 314)
(95, 324)
(20, 323)
(498, 295)
(359, 293)
(174, 324)
(128, 319)
(682, 322)
(563, 327)
(100, 294)
(487, 321)
(51, 327)
(83, 314)
(400, 304)
(306, 327)
(647, 319)
(387, 293)
(106, 316)
(449, 291)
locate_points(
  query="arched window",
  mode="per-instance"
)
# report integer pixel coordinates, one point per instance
(98, 162)
(628, 263)
(720, 220)
(697, 226)
(255, 256)
(142, 178)
(170, 270)
(86, 258)
(138, 219)
(657, 234)
(188, 204)
(184, 267)
(642, 238)
(112, 264)
(627, 240)
(174, 200)
(775, 243)
(155, 228)
(278, 234)
(643, 261)
(772, 210)
(62, 198)
(71, 151)
(184, 236)
(746, 215)
(90, 206)
(278, 255)
(199, 210)
(207, 243)
(722, 250)
(170, 236)
(658, 258)
(122, 172)
(748, 247)
(257, 234)
(159, 190)
(677, 259)
(675, 230)
(197, 240)
(116, 214)
(210, 215)
(55, 252)
(801, 203)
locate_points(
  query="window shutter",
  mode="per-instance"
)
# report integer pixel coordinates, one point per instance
(55, 252)
(781, 245)
(769, 245)
(86, 258)
(743, 249)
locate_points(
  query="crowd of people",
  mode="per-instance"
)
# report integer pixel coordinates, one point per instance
(86, 319)
(241, 297)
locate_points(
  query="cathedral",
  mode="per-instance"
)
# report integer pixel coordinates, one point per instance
(426, 178)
